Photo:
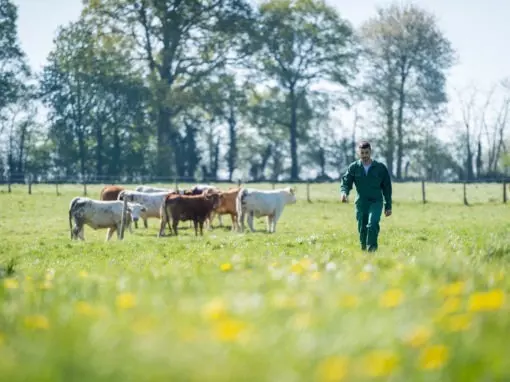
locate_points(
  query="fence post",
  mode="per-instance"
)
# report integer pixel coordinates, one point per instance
(9, 183)
(423, 198)
(84, 187)
(308, 192)
(176, 184)
(29, 184)
(465, 195)
(123, 220)
(56, 188)
(504, 190)
(238, 182)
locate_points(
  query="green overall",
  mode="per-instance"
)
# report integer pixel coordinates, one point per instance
(370, 188)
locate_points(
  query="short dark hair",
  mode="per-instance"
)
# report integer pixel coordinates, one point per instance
(364, 145)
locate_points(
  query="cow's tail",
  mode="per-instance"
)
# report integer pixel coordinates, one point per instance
(240, 200)
(71, 207)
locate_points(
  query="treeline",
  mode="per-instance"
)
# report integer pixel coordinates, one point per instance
(221, 88)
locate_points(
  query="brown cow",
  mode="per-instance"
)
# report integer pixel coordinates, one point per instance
(187, 207)
(110, 192)
(227, 206)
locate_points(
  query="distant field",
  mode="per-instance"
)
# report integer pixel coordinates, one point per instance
(303, 304)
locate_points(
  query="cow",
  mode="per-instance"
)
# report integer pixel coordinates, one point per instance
(100, 214)
(110, 192)
(187, 207)
(259, 203)
(227, 205)
(150, 189)
(200, 189)
(151, 201)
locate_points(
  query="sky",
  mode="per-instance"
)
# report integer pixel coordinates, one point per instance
(478, 31)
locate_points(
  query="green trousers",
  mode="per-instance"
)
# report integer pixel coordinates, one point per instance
(368, 215)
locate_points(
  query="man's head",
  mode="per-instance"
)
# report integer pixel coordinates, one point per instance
(364, 151)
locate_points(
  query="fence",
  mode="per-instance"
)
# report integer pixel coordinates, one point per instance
(467, 193)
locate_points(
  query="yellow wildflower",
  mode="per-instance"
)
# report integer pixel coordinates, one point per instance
(380, 363)
(451, 305)
(458, 322)
(297, 268)
(391, 298)
(11, 283)
(305, 263)
(486, 301)
(83, 274)
(126, 300)
(315, 275)
(364, 276)
(37, 322)
(349, 301)
(226, 267)
(418, 337)
(453, 289)
(46, 285)
(333, 369)
(433, 357)
(214, 310)
(229, 329)
(85, 309)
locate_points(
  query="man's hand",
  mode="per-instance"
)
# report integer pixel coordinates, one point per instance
(387, 212)
(344, 198)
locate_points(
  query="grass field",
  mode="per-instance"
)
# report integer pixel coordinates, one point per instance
(303, 304)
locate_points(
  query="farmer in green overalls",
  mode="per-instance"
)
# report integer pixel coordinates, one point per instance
(372, 181)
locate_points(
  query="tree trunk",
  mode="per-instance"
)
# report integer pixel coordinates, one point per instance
(163, 153)
(232, 151)
(99, 150)
(294, 168)
(390, 137)
(400, 127)
(479, 159)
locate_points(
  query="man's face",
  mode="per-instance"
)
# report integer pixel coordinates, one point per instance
(364, 154)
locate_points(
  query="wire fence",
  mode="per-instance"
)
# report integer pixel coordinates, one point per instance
(467, 193)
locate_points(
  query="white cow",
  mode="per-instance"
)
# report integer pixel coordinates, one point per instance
(100, 214)
(150, 189)
(152, 202)
(259, 203)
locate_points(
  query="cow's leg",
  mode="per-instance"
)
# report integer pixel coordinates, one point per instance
(234, 222)
(250, 221)
(162, 223)
(81, 232)
(209, 220)
(110, 232)
(175, 222)
(276, 216)
(195, 224)
(201, 225)
(240, 220)
(145, 223)
(136, 225)
(221, 221)
(269, 222)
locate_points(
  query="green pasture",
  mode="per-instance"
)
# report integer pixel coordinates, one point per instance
(303, 304)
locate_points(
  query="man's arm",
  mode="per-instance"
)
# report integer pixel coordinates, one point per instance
(386, 189)
(347, 181)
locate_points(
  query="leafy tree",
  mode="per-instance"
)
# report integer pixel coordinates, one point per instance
(406, 57)
(296, 44)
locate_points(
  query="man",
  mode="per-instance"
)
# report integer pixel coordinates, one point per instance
(372, 181)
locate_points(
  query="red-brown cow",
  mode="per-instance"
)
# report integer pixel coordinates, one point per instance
(110, 192)
(187, 207)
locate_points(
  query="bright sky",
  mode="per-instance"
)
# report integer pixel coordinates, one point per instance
(478, 30)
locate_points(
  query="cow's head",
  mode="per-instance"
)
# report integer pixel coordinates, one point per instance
(214, 198)
(290, 195)
(136, 210)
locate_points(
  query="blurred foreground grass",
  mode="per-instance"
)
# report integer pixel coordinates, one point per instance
(303, 304)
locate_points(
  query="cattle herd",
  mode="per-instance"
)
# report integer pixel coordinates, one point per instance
(200, 205)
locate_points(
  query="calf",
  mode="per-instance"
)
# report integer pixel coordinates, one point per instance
(227, 205)
(263, 203)
(110, 192)
(187, 207)
(100, 214)
(151, 201)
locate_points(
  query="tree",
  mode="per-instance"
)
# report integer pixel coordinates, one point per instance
(406, 58)
(180, 44)
(297, 43)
